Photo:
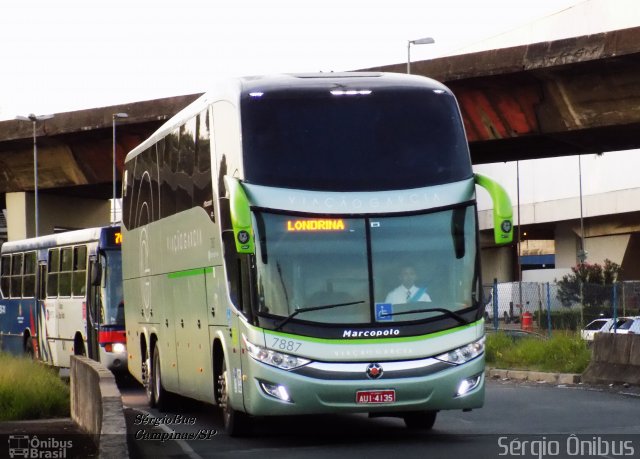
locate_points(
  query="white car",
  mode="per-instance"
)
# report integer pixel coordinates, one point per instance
(627, 326)
(596, 326)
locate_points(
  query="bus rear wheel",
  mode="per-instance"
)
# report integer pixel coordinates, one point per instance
(420, 420)
(235, 422)
(147, 380)
(28, 348)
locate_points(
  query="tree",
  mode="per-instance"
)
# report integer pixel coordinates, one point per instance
(597, 281)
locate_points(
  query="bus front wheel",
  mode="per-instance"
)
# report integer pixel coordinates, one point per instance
(160, 397)
(236, 423)
(420, 420)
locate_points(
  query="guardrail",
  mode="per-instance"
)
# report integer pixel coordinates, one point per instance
(615, 360)
(96, 406)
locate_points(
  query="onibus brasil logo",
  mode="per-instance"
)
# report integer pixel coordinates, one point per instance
(34, 447)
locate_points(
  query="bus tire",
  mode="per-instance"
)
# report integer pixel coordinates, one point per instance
(147, 379)
(28, 348)
(236, 423)
(420, 420)
(160, 396)
(78, 346)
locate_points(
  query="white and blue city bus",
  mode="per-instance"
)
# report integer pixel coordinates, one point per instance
(263, 228)
(62, 296)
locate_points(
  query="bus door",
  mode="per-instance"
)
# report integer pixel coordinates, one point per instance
(93, 308)
(46, 320)
(43, 351)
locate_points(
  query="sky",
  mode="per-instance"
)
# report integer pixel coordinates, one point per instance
(66, 55)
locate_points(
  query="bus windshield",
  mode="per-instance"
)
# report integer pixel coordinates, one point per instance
(383, 139)
(112, 298)
(366, 270)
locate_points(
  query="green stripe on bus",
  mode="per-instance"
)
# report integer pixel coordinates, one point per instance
(190, 272)
(405, 339)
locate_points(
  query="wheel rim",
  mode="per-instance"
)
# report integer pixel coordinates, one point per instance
(156, 375)
(146, 377)
(224, 396)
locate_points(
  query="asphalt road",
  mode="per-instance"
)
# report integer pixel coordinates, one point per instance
(518, 420)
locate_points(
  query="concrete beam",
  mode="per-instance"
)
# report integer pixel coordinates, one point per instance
(571, 96)
(76, 148)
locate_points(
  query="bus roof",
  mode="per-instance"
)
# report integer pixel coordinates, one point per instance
(232, 89)
(53, 240)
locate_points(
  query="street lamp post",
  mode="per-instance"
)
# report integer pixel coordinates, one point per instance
(582, 254)
(420, 41)
(34, 119)
(113, 203)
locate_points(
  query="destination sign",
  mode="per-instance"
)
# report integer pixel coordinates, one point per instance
(316, 224)
(113, 237)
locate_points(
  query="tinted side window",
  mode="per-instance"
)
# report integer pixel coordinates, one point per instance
(168, 177)
(53, 272)
(29, 279)
(184, 168)
(66, 266)
(171, 176)
(202, 185)
(5, 275)
(16, 275)
(79, 281)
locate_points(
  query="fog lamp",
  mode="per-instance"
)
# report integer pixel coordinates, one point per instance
(468, 384)
(276, 390)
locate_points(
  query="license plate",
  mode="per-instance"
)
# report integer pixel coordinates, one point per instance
(375, 396)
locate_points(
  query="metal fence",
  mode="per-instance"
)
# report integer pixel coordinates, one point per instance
(544, 307)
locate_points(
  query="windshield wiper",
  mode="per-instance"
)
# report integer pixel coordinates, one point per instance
(446, 312)
(313, 308)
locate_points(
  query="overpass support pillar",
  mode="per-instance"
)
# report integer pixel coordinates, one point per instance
(55, 213)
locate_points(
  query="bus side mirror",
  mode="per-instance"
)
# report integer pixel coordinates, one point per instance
(240, 211)
(96, 273)
(502, 209)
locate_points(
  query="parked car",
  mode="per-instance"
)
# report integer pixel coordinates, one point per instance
(596, 326)
(627, 326)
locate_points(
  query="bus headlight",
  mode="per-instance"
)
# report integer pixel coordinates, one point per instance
(463, 354)
(117, 348)
(273, 358)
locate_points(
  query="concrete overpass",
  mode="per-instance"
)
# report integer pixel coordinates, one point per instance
(570, 96)
(75, 152)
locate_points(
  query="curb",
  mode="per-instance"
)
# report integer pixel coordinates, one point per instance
(536, 376)
(96, 406)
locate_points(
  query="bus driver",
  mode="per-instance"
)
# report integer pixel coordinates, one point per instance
(407, 291)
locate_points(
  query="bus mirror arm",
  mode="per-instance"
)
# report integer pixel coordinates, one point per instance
(502, 209)
(240, 211)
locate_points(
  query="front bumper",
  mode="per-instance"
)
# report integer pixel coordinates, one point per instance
(315, 392)
(114, 361)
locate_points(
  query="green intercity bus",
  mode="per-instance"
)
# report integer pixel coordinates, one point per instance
(264, 227)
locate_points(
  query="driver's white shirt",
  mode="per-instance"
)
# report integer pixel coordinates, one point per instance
(399, 295)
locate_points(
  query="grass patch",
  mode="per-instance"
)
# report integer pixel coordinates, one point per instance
(563, 353)
(30, 390)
